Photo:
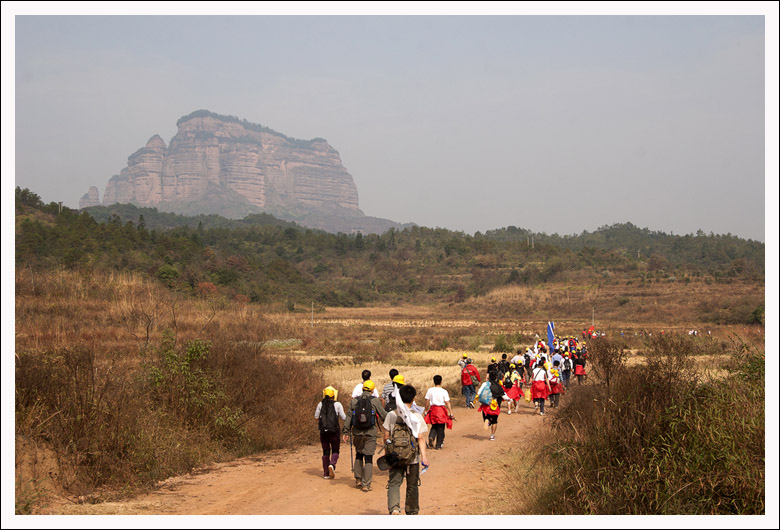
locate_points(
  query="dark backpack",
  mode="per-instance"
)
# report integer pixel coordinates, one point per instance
(363, 415)
(508, 382)
(329, 421)
(390, 403)
(566, 364)
(527, 360)
(503, 366)
(402, 443)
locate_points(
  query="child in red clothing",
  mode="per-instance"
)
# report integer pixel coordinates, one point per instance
(556, 388)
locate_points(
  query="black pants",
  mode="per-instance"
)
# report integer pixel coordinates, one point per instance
(437, 435)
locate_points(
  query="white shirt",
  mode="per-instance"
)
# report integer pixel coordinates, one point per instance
(437, 396)
(539, 374)
(359, 390)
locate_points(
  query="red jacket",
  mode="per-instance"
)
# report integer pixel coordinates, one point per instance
(467, 372)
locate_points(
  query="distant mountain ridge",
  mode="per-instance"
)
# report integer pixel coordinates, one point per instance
(223, 165)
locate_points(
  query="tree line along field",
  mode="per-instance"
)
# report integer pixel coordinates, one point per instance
(125, 376)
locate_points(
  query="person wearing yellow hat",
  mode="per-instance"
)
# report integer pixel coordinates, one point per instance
(397, 381)
(327, 414)
(366, 414)
(490, 410)
(492, 365)
(462, 360)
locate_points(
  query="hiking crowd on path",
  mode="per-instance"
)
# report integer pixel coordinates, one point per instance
(544, 370)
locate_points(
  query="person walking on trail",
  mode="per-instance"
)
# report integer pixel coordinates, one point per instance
(462, 360)
(493, 365)
(566, 368)
(503, 366)
(517, 360)
(540, 388)
(398, 381)
(365, 375)
(469, 377)
(437, 413)
(363, 412)
(579, 367)
(492, 408)
(515, 390)
(387, 390)
(404, 437)
(528, 365)
(327, 413)
(556, 388)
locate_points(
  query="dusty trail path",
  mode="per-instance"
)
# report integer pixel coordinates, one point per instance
(289, 482)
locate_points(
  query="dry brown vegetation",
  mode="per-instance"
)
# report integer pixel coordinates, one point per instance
(105, 362)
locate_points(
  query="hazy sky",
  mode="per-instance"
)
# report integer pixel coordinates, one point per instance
(556, 123)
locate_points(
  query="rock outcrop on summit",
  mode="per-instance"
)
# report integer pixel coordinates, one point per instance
(222, 165)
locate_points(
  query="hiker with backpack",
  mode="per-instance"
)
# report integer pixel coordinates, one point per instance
(527, 365)
(404, 437)
(490, 396)
(515, 388)
(398, 382)
(493, 365)
(328, 412)
(503, 366)
(438, 412)
(363, 412)
(387, 390)
(469, 377)
(566, 367)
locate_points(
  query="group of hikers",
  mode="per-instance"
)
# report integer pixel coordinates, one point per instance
(409, 431)
(546, 369)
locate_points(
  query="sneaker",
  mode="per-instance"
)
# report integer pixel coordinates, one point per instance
(326, 477)
(331, 471)
(358, 482)
(395, 512)
(492, 437)
(541, 414)
(509, 412)
(367, 488)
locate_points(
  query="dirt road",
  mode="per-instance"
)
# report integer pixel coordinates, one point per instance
(289, 482)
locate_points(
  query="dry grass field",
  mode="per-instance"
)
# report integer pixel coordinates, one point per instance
(118, 318)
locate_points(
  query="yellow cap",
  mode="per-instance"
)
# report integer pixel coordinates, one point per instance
(330, 392)
(465, 355)
(399, 379)
(493, 359)
(369, 385)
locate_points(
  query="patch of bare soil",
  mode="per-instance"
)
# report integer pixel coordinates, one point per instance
(289, 482)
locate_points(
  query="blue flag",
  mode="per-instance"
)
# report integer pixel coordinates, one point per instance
(550, 334)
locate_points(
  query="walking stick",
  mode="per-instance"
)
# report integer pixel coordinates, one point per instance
(351, 460)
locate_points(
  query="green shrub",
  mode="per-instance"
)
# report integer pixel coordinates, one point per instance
(503, 344)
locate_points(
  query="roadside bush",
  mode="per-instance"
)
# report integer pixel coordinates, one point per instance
(660, 440)
(503, 344)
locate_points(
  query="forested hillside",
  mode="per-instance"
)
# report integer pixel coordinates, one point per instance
(263, 259)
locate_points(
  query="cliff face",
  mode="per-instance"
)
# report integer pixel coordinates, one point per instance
(91, 198)
(220, 155)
